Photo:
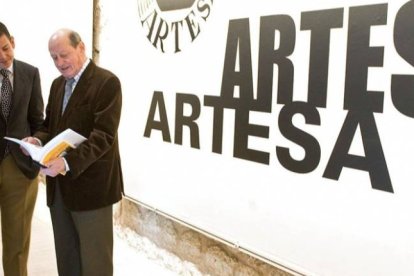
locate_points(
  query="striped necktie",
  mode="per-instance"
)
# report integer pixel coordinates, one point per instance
(68, 92)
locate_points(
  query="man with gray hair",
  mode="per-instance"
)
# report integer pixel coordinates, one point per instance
(83, 185)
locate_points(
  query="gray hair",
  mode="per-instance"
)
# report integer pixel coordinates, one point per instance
(74, 39)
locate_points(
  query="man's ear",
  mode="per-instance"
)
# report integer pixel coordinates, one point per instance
(12, 41)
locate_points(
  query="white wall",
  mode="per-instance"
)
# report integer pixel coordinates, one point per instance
(33, 22)
(310, 223)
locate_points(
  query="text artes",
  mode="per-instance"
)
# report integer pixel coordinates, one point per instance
(359, 103)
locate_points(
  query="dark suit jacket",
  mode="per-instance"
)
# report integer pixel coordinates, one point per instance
(26, 114)
(93, 110)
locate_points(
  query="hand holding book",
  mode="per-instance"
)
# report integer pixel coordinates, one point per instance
(55, 167)
(57, 147)
(29, 140)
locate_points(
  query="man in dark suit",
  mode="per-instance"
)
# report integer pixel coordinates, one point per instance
(83, 185)
(21, 115)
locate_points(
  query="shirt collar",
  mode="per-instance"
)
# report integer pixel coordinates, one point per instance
(10, 69)
(79, 74)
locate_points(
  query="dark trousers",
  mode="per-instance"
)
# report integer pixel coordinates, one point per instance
(83, 240)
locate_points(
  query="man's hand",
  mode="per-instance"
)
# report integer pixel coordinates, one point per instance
(30, 140)
(54, 167)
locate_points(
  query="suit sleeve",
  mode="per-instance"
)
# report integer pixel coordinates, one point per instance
(42, 133)
(35, 114)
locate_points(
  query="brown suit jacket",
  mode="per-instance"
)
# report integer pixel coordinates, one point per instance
(26, 115)
(93, 110)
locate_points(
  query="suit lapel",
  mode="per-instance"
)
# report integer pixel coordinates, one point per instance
(59, 97)
(20, 82)
(79, 91)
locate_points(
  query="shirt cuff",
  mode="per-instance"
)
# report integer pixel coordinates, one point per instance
(38, 141)
(66, 165)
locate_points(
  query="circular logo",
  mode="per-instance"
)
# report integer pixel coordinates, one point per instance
(171, 25)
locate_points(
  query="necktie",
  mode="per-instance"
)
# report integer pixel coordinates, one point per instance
(68, 92)
(6, 94)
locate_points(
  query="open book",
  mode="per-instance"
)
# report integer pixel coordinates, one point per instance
(54, 148)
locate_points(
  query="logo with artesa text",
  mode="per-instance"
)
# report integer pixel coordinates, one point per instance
(171, 25)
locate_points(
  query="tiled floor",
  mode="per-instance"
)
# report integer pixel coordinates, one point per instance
(127, 261)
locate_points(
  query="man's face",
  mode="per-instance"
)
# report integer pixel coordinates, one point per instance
(6, 51)
(68, 60)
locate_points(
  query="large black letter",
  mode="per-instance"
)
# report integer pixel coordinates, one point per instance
(158, 100)
(237, 48)
(242, 130)
(402, 86)
(269, 56)
(181, 120)
(360, 56)
(320, 24)
(307, 141)
(374, 160)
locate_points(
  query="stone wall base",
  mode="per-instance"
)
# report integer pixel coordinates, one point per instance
(208, 255)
